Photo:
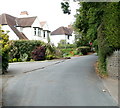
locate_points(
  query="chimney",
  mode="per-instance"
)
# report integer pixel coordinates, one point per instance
(70, 26)
(24, 13)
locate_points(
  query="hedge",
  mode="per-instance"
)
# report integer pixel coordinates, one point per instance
(27, 50)
(84, 49)
(22, 49)
(108, 34)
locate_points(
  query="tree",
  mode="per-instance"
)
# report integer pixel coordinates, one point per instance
(65, 7)
(98, 22)
(4, 49)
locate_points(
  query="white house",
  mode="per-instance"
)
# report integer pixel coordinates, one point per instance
(25, 27)
(62, 33)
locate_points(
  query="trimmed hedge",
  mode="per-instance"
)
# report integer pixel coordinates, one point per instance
(84, 50)
(29, 50)
(22, 49)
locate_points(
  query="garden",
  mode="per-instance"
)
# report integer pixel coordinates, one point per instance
(35, 50)
(76, 49)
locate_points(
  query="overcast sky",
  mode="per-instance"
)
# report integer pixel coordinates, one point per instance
(46, 10)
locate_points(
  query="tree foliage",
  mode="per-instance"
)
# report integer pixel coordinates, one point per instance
(65, 8)
(98, 22)
(4, 49)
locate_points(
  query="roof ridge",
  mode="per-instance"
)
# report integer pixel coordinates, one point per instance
(27, 17)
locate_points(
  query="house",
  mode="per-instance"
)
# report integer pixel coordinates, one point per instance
(25, 27)
(62, 33)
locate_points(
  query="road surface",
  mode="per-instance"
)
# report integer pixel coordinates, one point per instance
(72, 82)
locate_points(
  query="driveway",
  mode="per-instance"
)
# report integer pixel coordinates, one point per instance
(71, 82)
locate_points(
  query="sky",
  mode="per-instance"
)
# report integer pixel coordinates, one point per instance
(46, 10)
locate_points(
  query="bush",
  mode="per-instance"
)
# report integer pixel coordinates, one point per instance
(22, 49)
(69, 52)
(24, 57)
(4, 49)
(50, 57)
(14, 60)
(39, 53)
(84, 50)
(63, 44)
(52, 51)
(67, 46)
(19, 60)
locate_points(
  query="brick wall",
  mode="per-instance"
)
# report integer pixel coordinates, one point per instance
(113, 64)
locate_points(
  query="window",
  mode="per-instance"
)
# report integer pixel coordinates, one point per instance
(48, 34)
(39, 32)
(35, 31)
(44, 34)
(68, 37)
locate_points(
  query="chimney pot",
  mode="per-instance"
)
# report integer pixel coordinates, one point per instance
(24, 13)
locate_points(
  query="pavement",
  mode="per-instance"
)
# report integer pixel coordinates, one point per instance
(111, 85)
(54, 74)
(25, 67)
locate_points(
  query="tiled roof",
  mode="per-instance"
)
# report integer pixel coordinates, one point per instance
(3, 19)
(62, 31)
(11, 21)
(25, 22)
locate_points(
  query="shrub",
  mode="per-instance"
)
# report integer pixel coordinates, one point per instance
(52, 51)
(63, 44)
(69, 52)
(22, 49)
(39, 53)
(14, 60)
(24, 57)
(50, 57)
(66, 50)
(84, 50)
(19, 60)
(4, 49)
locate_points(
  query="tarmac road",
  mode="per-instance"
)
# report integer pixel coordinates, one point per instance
(72, 82)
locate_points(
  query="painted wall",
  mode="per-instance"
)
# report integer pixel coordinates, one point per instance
(29, 32)
(12, 35)
(55, 39)
(36, 23)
